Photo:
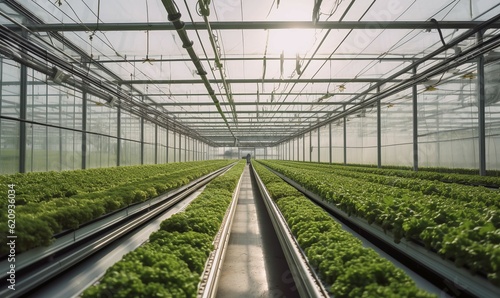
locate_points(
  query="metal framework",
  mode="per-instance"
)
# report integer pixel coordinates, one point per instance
(216, 82)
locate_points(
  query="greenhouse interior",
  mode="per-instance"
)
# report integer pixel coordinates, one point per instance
(333, 148)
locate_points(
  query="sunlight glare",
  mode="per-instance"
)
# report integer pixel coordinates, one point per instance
(290, 41)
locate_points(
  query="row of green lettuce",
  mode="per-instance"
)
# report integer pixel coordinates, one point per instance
(170, 264)
(460, 223)
(346, 267)
(442, 170)
(37, 187)
(445, 175)
(37, 221)
(456, 191)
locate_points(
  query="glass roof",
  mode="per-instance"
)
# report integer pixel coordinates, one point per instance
(282, 62)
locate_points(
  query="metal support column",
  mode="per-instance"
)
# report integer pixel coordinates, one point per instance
(84, 130)
(156, 144)
(330, 143)
(23, 105)
(289, 150)
(415, 124)
(379, 133)
(186, 151)
(481, 109)
(319, 145)
(60, 135)
(166, 149)
(180, 148)
(142, 140)
(345, 137)
(119, 136)
(303, 148)
(195, 150)
(175, 148)
(310, 146)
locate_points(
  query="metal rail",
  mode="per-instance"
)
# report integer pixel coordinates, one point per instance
(208, 285)
(306, 281)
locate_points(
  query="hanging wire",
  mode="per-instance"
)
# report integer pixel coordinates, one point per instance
(334, 9)
(147, 59)
(270, 9)
(109, 44)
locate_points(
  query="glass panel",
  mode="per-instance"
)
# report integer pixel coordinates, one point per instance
(9, 146)
(338, 141)
(9, 93)
(324, 138)
(102, 152)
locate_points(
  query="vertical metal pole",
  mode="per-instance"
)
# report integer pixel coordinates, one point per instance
(310, 146)
(319, 145)
(289, 150)
(142, 136)
(180, 148)
(84, 130)
(303, 148)
(481, 109)
(166, 153)
(156, 143)
(379, 133)
(119, 135)
(415, 124)
(186, 157)
(345, 138)
(175, 149)
(330, 143)
(23, 105)
(142, 140)
(60, 135)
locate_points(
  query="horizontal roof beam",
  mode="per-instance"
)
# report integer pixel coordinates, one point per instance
(260, 59)
(260, 25)
(258, 81)
(236, 103)
(251, 112)
(277, 93)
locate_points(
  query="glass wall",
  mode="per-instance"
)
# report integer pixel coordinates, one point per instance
(62, 122)
(149, 143)
(102, 133)
(338, 141)
(492, 90)
(9, 107)
(397, 130)
(161, 146)
(314, 146)
(172, 143)
(447, 127)
(324, 145)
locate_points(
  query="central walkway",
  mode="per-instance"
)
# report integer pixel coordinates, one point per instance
(254, 265)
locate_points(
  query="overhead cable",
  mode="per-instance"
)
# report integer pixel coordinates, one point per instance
(174, 16)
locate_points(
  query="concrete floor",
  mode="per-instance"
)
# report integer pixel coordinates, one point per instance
(254, 265)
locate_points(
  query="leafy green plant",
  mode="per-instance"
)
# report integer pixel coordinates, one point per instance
(348, 268)
(458, 222)
(173, 260)
(56, 214)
